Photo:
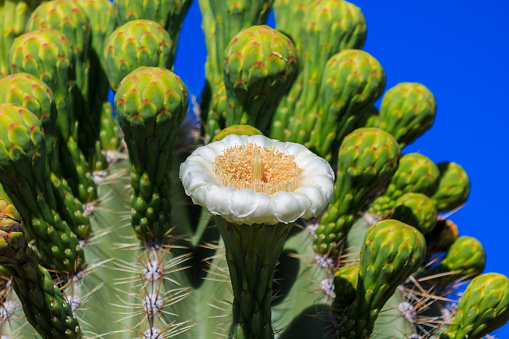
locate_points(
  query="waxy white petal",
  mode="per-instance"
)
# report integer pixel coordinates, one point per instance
(248, 207)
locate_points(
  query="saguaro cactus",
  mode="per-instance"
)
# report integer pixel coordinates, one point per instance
(126, 219)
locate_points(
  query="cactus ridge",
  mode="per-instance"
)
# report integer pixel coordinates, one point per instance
(151, 104)
(416, 173)
(56, 70)
(392, 252)
(26, 182)
(368, 157)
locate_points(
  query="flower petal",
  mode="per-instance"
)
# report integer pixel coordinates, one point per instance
(248, 207)
(286, 207)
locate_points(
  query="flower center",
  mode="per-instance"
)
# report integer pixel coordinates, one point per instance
(264, 170)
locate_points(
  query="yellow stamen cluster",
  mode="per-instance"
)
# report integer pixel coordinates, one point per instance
(264, 170)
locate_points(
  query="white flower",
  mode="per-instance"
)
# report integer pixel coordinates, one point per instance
(278, 181)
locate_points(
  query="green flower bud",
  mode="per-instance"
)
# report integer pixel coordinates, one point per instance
(454, 187)
(390, 253)
(407, 111)
(483, 308)
(238, 130)
(416, 173)
(260, 65)
(134, 44)
(151, 104)
(352, 81)
(417, 210)
(167, 13)
(368, 158)
(465, 259)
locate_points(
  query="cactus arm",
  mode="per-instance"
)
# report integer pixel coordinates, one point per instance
(150, 127)
(57, 71)
(222, 20)
(25, 179)
(483, 308)
(402, 248)
(352, 81)
(368, 158)
(328, 27)
(13, 18)
(251, 253)
(44, 305)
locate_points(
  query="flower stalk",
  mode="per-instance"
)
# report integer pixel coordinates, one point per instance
(252, 252)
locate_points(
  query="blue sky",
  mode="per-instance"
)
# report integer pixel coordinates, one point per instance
(459, 50)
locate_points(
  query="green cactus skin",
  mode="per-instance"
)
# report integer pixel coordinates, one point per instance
(453, 188)
(222, 20)
(351, 83)
(216, 117)
(102, 23)
(483, 308)
(465, 259)
(134, 44)
(368, 158)
(24, 178)
(252, 252)
(151, 103)
(370, 118)
(289, 16)
(110, 133)
(392, 251)
(73, 212)
(345, 287)
(417, 210)
(442, 236)
(45, 306)
(407, 111)
(238, 130)
(260, 65)
(328, 27)
(14, 15)
(416, 173)
(47, 55)
(167, 13)
(31, 93)
(69, 19)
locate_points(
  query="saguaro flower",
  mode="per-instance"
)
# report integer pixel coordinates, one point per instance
(256, 188)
